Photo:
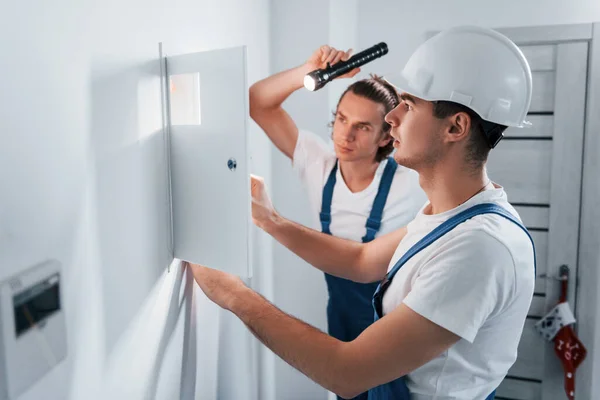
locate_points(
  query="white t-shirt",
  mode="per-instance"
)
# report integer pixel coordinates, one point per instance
(476, 281)
(313, 161)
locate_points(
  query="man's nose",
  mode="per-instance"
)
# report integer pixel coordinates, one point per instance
(393, 117)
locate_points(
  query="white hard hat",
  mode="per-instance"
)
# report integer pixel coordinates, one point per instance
(476, 67)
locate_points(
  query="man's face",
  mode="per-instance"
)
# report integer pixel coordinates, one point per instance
(416, 133)
(357, 129)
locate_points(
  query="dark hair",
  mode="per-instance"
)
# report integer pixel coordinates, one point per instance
(378, 90)
(478, 146)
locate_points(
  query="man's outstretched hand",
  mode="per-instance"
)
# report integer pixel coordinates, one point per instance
(220, 287)
(263, 211)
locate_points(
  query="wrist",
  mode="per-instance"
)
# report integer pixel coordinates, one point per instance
(301, 72)
(306, 68)
(239, 300)
(273, 223)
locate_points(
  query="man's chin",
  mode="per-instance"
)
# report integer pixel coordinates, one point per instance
(345, 156)
(398, 158)
(401, 160)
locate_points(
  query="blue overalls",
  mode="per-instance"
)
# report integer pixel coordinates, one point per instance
(397, 389)
(349, 309)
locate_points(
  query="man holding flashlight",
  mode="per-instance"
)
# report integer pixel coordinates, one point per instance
(355, 188)
(457, 282)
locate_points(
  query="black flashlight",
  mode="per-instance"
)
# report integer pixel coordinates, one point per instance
(316, 79)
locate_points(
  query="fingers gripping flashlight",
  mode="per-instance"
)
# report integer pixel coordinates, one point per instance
(316, 79)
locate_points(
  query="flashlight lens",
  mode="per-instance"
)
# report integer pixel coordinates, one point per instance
(309, 83)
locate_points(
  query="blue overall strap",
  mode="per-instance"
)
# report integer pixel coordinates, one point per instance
(325, 214)
(374, 220)
(485, 208)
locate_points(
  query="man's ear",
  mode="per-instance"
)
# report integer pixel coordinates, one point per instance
(385, 140)
(459, 126)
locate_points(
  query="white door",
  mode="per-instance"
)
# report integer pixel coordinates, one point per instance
(541, 169)
(210, 183)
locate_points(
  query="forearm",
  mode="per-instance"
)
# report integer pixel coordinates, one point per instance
(335, 256)
(271, 92)
(314, 353)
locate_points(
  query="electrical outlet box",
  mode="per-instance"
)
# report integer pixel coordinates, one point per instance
(33, 336)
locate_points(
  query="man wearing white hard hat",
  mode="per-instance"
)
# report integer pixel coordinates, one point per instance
(457, 281)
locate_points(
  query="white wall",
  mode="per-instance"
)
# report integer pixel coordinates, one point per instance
(298, 29)
(82, 180)
(402, 25)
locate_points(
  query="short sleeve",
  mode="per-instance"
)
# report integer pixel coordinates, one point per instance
(468, 279)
